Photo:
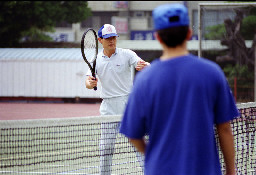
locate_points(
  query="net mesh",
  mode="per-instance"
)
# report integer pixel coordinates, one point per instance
(244, 132)
(71, 146)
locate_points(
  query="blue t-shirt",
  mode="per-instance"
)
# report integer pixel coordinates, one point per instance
(177, 102)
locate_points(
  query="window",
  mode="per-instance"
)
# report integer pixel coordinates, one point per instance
(91, 22)
(98, 19)
(64, 24)
(138, 14)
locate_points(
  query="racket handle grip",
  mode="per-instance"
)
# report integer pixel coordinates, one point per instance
(94, 76)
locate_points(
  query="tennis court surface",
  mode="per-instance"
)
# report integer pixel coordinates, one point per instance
(70, 145)
(23, 111)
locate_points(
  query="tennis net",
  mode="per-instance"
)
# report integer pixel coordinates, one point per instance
(71, 146)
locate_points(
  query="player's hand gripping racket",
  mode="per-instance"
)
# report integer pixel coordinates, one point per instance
(89, 49)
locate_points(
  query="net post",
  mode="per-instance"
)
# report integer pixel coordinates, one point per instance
(255, 71)
(199, 31)
(235, 88)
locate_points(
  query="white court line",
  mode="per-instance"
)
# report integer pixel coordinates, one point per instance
(39, 172)
(45, 173)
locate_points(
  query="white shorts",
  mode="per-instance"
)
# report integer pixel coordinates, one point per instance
(113, 106)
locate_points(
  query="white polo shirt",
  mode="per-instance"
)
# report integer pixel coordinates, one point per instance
(115, 72)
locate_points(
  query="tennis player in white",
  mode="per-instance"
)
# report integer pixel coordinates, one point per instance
(114, 69)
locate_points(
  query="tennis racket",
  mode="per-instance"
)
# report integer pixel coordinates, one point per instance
(89, 49)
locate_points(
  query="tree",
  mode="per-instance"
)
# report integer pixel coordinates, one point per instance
(233, 35)
(28, 18)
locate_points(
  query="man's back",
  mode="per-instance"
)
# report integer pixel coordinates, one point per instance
(182, 114)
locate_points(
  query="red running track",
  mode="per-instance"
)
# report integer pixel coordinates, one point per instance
(22, 111)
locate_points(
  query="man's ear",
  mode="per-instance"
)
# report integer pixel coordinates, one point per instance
(99, 39)
(158, 37)
(189, 34)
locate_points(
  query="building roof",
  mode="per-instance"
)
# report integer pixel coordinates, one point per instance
(73, 54)
(40, 53)
(153, 45)
(193, 45)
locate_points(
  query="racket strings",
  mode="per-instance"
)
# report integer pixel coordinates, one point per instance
(90, 46)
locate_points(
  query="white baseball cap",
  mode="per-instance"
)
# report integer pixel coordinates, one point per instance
(107, 31)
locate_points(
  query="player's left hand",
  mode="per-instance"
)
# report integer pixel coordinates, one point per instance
(141, 64)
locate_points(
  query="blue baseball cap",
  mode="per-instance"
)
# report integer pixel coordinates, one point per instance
(107, 31)
(170, 15)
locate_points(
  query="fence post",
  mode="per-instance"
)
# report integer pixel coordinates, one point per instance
(255, 71)
(235, 88)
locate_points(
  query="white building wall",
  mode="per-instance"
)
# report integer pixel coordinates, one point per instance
(44, 77)
(148, 5)
(102, 6)
(134, 5)
(139, 23)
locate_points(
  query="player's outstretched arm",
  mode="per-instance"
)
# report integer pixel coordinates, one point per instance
(140, 144)
(141, 64)
(227, 146)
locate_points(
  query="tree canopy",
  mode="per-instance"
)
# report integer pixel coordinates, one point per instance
(217, 32)
(233, 34)
(20, 18)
